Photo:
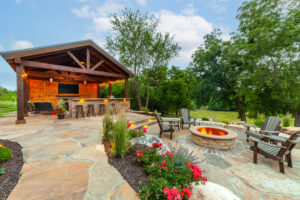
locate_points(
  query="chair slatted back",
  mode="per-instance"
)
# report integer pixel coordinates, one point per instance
(159, 120)
(185, 114)
(271, 124)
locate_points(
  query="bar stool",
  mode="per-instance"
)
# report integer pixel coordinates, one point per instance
(102, 109)
(91, 110)
(114, 108)
(79, 110)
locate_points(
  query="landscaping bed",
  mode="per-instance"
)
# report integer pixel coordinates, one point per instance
(131, 170)
(12, 168)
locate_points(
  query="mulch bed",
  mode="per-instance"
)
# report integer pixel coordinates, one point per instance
(12, 169)
(131, 170)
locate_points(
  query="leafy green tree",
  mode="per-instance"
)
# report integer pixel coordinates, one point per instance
(139, 45)
(270, 30)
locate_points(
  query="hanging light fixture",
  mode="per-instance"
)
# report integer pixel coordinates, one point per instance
(84, 82)
(51, 80)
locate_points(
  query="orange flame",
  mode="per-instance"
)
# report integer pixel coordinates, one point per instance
(212, 131)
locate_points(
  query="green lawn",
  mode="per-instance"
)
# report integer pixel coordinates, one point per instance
(6, 107)
(219, 115)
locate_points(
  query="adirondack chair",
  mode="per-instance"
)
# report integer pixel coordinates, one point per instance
(185, 118)
(270, 127)
(163, 127)
(276, 152)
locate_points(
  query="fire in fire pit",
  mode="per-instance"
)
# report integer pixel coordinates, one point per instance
(214, 137)
(211, 131)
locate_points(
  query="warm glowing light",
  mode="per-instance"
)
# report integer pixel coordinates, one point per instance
(82, 62)
(81, 101)
(84, 82)
(212, 131)
(149, 120)
(124, 100)
(105, 100)
(51, 80)
(145, 126)
(24, 75)
(132, 125)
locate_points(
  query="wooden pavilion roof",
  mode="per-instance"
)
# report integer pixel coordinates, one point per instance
(82, 60)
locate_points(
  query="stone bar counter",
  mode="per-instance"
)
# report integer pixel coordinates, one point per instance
(122, 104)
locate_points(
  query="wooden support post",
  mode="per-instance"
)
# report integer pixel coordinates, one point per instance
(26, 96)
(98, 90)
(20, 95)
(88, 58)
(109, 89)
(126, 88)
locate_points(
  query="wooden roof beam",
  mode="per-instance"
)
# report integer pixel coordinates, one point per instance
(69, 69)
(97, 65)
(75, 59)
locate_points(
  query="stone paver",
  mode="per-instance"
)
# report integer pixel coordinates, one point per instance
(65, 159)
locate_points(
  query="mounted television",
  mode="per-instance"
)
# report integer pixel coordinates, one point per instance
(68, 89)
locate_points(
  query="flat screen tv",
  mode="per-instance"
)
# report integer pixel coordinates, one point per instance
(68, 89)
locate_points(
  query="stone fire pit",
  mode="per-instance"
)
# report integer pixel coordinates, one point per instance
(214, 137)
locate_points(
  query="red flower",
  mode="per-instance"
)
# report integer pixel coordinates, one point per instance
(139, 153)
(187, 192)
(145, 130)
(156, 144)
(170, 154)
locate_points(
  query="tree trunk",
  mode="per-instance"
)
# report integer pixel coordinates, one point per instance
(297, 120)
(148, 89)
(138, 96)
(241, 107)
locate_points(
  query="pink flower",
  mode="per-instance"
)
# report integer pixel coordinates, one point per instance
(170, 154)
(156, 144)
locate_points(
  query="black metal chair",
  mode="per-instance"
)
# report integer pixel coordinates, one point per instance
(91, 110)
(79, 111)
(102, 109)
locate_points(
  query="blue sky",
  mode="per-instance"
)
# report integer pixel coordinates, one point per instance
(33, 23)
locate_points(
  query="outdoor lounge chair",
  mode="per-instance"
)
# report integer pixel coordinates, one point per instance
(276, 152)
(270, 127)
(43, 107)
(185, 118)
(31, 107)
(163, 127)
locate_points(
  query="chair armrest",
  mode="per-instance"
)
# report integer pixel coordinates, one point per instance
(295, 141)
(255, 135)
(276, 138)
(269, 132)
(262, 142)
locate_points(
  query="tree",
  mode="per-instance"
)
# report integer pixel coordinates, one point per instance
(270, 30)
(140, 46)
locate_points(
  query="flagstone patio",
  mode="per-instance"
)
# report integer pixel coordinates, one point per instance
(64, 159)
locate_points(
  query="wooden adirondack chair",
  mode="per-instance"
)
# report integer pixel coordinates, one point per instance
(276, 152)
(270, 127)
(163, 127)
(185, 118)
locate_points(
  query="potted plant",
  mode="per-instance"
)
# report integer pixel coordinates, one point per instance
(60, 109)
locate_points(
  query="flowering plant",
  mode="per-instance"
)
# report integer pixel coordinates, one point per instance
(61, 108)
(138, 132)
(175, 174)
(5, 153)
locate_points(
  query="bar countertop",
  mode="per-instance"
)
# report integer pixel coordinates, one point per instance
(96, 99)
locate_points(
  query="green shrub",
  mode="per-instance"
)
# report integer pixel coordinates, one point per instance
(134, 133)
(286, 121)
(225, 121)
(259, 122)
(120, 139)
(107, 125)
(145, 109)
(5, 153)
(2, 171)
(205, 119)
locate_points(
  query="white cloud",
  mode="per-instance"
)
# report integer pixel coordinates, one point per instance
(188, 31)
(102, 24)
(1, 47)
(21, 44)
(189, 10)
(141, 2)
(83, 12)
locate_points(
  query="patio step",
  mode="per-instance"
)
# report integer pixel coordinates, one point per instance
(142, 123)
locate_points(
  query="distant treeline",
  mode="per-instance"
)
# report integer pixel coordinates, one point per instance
(7, 95)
